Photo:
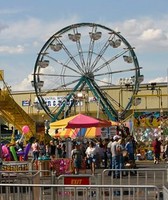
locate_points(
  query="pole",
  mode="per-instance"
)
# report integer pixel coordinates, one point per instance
(80, 105)
(98, 107)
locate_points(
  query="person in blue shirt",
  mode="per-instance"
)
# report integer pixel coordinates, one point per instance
(130, 147)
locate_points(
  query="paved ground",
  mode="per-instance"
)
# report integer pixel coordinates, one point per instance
(147, 173)
(140, 164)
(150, 164)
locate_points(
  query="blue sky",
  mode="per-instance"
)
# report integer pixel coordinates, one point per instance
(25, 26)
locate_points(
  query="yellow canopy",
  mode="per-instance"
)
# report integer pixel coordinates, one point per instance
(92, 132)
(61, 123)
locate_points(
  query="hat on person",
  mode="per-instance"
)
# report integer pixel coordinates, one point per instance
(77, 143)
(116, 137)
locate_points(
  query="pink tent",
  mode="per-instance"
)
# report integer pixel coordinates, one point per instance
(80, 121)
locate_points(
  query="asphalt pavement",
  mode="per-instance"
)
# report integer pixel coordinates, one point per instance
(146, 173)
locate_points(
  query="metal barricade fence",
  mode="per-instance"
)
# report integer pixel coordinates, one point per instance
(19, 177)
(17, 185)
(77, 192)
(165, 193)
(141, 176)
(10, 178)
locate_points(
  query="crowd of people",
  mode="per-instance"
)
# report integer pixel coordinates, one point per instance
(111, 153)
(55, 148)
(115, 153)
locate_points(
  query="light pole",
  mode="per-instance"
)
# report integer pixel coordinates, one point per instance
(98, 107)
(46, 126)
(120, 103)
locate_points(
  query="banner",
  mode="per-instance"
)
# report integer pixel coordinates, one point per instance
(15, 166)
(147, 119)
(57, 101)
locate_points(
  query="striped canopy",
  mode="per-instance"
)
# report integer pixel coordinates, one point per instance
(80, 121)
(92, 132)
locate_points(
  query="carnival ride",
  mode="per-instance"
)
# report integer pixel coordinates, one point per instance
(86, 56)
(14, 114)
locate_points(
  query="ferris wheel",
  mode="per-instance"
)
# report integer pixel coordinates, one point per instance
(86, 55)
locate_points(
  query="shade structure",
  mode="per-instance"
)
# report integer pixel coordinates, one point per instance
(113, 123)
(80, 121)
(52, 132)
(92, 132)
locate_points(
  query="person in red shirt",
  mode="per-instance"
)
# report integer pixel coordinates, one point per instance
(157, 150)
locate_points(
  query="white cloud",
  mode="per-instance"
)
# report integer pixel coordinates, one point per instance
(24, 85)
(49, 81)
(11, 49)
(145, 33)
(152, 34)
(23, 29)
(34, 29)
(159, 80)
(30, 35)
(137, 31)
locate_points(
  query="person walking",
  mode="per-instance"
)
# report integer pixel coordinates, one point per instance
(59, 149)
(76, 155)
(51, 148)
(42, 149)
(105, 151)
(122, 159)
(115, 153)
(130, 147)
(109, 155)
(157, 150)
(91, 152)
(166, 152)
(35, 150)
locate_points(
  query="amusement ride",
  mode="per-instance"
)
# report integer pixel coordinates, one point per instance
(86, 55)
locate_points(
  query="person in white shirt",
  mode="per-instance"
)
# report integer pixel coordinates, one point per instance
(115, 153)
(91, 152)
